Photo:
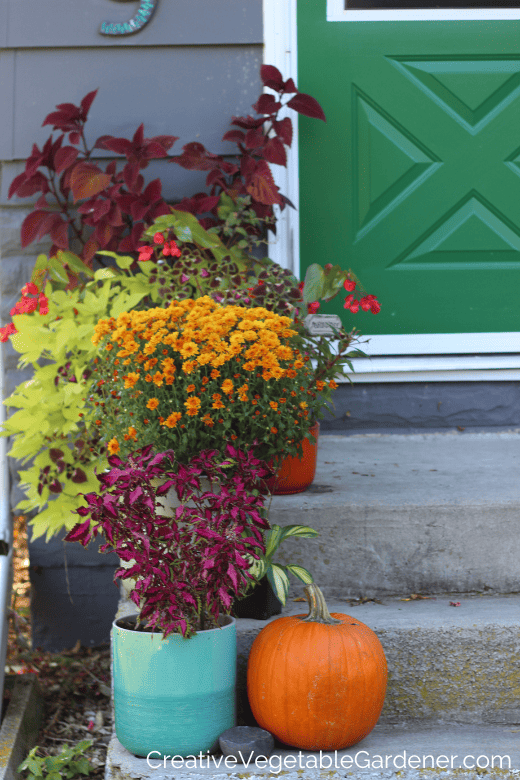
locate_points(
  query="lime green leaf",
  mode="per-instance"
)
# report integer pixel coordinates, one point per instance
(105, 273)
(123, 261)
(279, 581)
(57, 271)
(297, 530)
(74, 262)
(300, 572)
(272, 539)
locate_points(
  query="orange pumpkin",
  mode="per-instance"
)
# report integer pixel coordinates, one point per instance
(317, 682)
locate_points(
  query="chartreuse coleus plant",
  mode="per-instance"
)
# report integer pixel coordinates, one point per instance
(68, 763)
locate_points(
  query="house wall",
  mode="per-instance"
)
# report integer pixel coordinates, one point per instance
(192, 67)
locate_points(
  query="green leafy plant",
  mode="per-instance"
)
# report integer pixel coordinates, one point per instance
(70, 762)
(276, 573)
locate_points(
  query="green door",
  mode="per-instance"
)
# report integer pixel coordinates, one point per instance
(414, 181)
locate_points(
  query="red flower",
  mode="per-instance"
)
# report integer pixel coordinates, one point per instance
(29, 289)
(313, 307)
(171, 248)
(7, 331)
(158, 238)
(349, 285)
(348, 301)
(354, 307)
(145, 253)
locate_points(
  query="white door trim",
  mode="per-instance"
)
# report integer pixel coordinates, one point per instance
(336, 12)
(280, 49)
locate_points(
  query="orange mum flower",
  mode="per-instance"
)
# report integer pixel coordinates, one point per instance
(113, 446)
(227, 386)
(152, 404)
(172, 420)
(193, 406)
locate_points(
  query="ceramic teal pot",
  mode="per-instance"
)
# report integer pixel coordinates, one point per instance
(174, 696)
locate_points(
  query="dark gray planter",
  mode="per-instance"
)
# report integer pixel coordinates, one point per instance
(73, 596)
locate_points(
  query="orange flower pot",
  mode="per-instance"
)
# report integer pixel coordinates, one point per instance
(296, 474)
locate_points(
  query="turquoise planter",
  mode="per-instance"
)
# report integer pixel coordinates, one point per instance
(173, 696)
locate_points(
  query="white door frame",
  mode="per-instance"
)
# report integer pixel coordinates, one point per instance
(422, 361)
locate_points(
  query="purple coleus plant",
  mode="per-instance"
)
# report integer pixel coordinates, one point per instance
(188, 568)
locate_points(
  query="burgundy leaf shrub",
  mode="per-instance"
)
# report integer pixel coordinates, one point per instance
(188, 568)
(82, 204)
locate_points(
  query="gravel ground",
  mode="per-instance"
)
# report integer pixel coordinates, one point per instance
(75, 684)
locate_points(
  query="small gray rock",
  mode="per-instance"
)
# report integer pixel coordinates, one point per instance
(241, 741)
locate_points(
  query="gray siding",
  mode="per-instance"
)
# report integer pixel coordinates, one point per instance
(56, 23)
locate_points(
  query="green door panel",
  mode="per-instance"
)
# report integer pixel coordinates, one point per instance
(414, 180)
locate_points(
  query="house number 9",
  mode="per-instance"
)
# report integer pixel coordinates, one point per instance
(136, 23)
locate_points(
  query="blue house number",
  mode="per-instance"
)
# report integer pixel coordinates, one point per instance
(136, 23)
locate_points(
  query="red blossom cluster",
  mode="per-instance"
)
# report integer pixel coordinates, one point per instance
(366, 303)
(26, 305)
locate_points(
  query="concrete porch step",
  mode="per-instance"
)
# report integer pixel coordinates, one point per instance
(389, 753)
(420, 513)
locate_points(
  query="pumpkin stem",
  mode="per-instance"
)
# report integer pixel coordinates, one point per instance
(318, 610)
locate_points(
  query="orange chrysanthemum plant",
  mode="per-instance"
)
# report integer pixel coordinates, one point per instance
(197, 375)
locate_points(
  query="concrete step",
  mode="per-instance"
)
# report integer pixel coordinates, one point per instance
(389, 752)
(419, 513)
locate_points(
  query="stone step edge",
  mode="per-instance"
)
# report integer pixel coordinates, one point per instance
(448, 751)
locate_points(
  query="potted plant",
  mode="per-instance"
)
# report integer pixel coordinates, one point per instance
(271, 587)
(174, 660)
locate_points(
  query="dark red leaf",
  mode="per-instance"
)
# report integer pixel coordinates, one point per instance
(215, 177)
(248, 165)
(130, 174)
(274, 152)
(87, 180)
(247, 122)
(41, 203)
(89, 250)
(17, 182)
(139, 210)
(166, 141)
(153, 191)
(306, 105)
(267, 104)
(60, 234)
(196, 157)
(254, 139)
(285, 130)
(154, 150)
(64, 157)
(138, 138)
(103, 233)
(289, 87)
(74, 137)
(271, 77)
(159, 210)
(117, 145)
(237, 136)
(86, 103)
(262, 187)
(31, 226)
(36, 183)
